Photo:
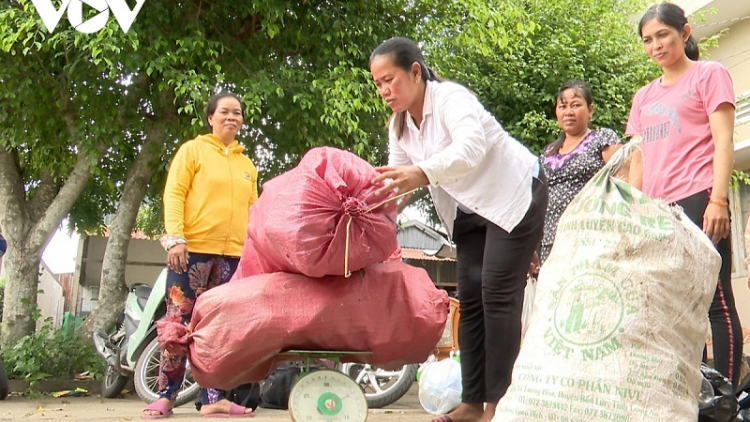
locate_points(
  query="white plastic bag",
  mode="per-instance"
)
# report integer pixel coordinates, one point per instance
(440, 386)
(528, 305)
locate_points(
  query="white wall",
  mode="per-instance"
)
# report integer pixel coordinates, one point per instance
(50, 300)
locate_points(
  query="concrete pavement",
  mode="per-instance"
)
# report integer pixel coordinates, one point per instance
(90, 409)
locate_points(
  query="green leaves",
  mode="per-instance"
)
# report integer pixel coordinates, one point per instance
(50, 353)
(516, 54)
(301, 68)
(272, 30)
(739, 177)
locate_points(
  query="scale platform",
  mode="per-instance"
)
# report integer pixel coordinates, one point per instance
(325, 395)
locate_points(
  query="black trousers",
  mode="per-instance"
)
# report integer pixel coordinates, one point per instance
(491, 271)
(725, 322)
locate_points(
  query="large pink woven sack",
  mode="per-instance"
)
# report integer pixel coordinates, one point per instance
(250, 264)
(238, 329)
(299, 223)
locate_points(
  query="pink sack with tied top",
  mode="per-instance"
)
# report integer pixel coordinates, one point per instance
(320, 218)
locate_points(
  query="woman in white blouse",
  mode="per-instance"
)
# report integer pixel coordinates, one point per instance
(489, 195)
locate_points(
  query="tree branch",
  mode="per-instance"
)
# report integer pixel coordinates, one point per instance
(142, 83)
(63, 202)
(113, 288)
(68, 112)
(13, 211)
(43, 196)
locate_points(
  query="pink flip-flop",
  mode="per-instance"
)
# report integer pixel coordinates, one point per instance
(235, 411)
(159, 406)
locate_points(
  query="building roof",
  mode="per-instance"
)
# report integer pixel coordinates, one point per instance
(419, 236)
(724, 13)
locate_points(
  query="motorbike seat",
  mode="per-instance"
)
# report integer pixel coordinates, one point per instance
(142, 292)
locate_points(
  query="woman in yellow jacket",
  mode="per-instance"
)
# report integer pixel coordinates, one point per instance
(210, 188)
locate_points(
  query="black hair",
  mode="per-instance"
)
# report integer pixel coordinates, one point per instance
(404, 53)
(583, 90)
(214, 102)
(671, 15)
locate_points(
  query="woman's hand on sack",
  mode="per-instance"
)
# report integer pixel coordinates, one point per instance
(177, 258)
(403, 179)
(716, 223)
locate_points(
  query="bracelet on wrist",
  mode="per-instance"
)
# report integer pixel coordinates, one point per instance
(718, 202)
(170, 241)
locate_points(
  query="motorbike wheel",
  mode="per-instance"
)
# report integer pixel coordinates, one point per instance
(4, 387)
(146, 378)
(381, 387)
(113, 382)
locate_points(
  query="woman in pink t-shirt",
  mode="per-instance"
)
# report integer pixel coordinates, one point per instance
(686, 120)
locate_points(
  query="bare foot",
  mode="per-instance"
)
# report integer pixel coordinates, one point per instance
(222, 406)
(489, 412)
(151, 410)
(465, 412)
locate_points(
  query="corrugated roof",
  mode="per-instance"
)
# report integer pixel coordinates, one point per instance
(417, 235)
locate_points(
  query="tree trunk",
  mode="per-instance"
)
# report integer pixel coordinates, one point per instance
(28, 227)
(113, 289)
(21, 272)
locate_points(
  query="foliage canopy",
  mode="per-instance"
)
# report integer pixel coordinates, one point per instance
(78, 111)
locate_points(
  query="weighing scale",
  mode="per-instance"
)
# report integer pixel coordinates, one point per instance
(325, 395)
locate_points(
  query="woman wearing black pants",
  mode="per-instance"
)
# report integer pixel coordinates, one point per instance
(490, 195)
(725, 322)
(686, 120)
(491, 282)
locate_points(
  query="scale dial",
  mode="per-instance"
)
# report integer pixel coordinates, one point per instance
(327, 396)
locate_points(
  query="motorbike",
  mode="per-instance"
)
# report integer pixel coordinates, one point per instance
(381, 387)
(132, 350)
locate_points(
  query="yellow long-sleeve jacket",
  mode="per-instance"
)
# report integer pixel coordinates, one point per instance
(210, 189)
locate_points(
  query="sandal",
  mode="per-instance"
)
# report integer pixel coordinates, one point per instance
(158, 406)
(235, 411)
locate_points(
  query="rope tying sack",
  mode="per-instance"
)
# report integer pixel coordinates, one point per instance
(353, 207)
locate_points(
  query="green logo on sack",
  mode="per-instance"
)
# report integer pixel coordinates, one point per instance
(587, 315)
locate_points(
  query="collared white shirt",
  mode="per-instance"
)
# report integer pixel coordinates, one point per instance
(467, 157)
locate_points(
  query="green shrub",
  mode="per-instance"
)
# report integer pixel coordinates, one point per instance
(50, 353)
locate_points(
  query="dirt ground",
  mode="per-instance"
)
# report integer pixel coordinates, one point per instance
(93, 408)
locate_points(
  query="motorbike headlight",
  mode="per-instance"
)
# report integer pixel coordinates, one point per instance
(706, 395)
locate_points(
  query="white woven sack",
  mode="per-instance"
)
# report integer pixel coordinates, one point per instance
(619, 318)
